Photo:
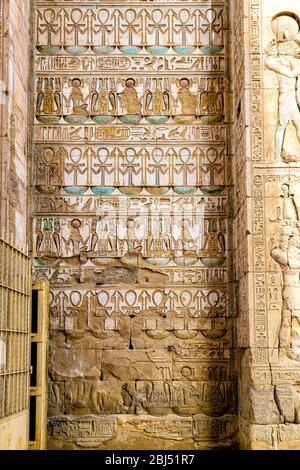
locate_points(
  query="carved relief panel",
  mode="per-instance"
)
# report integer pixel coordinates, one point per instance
(130, 226)
(110, 29)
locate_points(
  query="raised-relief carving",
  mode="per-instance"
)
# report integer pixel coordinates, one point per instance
(103, 99)
(129, 98)
(130, 223)
(286, 254)
(85, 431)
(114, 167)
(129, 30)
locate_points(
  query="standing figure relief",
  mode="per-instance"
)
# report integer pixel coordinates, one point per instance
(283, 58)
(287, 255)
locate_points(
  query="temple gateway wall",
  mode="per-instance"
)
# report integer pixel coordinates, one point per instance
(131, 222)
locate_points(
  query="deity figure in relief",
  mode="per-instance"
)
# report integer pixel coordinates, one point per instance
(287, 255)
(134, 237)
(103, 100)
(78, 101)
(75, 238)
(49, 96)
(214, 239)
(283, 56)
(157, 101)
(188, 235)
(129, 98)
(211, 96)
(187, 99)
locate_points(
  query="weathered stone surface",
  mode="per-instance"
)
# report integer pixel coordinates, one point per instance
(164, 159)
(266, 205)
(276, 437)
(169, 428)
(263, 404)
(285, 402)
(217, 429)
(116, 432)
(87, 431)
(137, 365)
(75, 363)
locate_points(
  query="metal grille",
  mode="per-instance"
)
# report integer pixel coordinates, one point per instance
(15, 293)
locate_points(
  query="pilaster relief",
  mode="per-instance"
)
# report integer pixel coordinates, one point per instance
(271, 208)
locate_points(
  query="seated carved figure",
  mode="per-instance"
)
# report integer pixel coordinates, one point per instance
(188, 100)
(129, 98)
(79, 104)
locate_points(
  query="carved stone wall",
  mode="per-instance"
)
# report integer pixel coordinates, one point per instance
(15, 275)
(267, 120)
(14, 68)
(131, 222)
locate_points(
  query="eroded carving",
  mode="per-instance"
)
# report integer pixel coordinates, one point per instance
(287, 256)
